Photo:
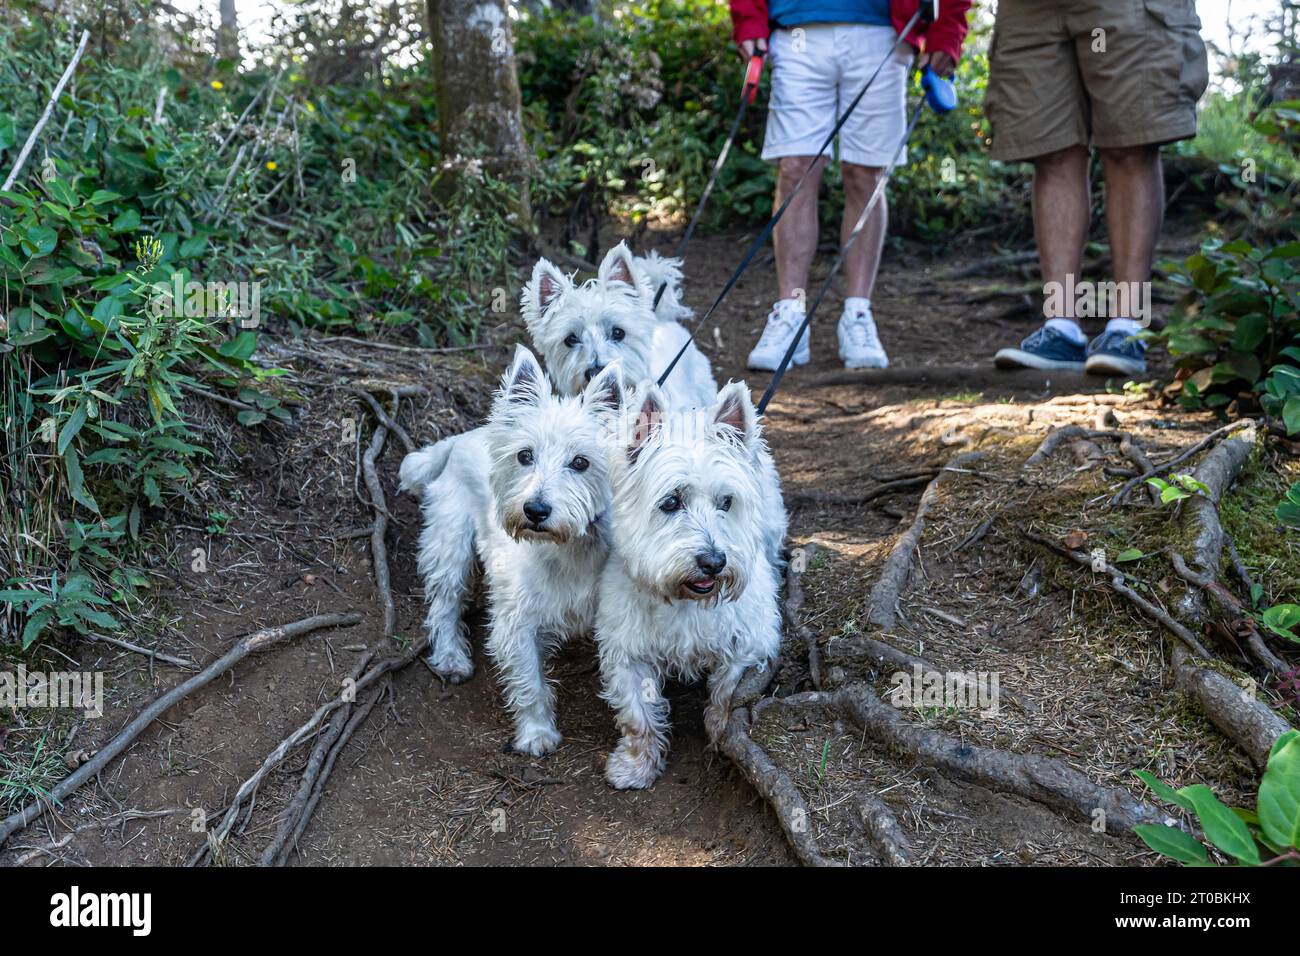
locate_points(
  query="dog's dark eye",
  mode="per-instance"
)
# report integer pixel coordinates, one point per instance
(670, 504)
(725, 503)
(579, 464)
(570, 340)
(525, 456)
(617, 334)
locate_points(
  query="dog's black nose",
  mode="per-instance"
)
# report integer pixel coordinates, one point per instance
(711, 562)
(537, 511)
(593, 371)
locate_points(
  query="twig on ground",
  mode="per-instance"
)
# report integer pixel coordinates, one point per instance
(880, 491)
(1164, 467)
(1228, 600)
(257, 641)
(147, 652)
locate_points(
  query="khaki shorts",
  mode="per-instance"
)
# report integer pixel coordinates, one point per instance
(1103, 73)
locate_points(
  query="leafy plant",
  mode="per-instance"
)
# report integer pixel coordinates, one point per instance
(1267, 835)
(1288, 512)
(1182, 486)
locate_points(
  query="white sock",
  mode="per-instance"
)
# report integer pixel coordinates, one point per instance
(787, 307)
(857, 303)
(1128, 326)
(1067, 328)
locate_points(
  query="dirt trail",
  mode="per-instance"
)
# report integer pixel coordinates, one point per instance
(429, 779)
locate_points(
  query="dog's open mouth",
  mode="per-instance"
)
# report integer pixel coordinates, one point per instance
(701, 586)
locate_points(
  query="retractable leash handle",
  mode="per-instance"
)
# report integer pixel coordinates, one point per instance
(748, 91)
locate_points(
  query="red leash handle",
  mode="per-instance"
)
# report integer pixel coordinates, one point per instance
(752, 75)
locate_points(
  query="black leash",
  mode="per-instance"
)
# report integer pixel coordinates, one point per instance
(757, 244)
(848, 243)
(753, 73)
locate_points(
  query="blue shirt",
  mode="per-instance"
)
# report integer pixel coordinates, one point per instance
(792, 13)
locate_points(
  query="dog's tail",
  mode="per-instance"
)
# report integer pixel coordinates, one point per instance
(665, 271)
(425, 465)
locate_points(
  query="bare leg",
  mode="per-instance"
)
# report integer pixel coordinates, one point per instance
(1061, 216)
(863, 259)
(795, 236)
(1135, 206)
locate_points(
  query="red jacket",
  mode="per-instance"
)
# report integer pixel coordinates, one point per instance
(749, 22)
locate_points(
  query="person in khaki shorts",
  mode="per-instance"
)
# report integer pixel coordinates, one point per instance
(1120, 76)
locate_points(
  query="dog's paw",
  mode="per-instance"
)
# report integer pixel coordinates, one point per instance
(454, 668)
(537, 741)
(631, 768)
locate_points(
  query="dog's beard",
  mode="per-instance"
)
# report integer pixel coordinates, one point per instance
(520, 528)
(710, 590)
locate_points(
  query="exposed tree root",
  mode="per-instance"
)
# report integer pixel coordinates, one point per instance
(882, 603)
(774, 785)
(378, 531)
(1228, 600)
(791, 607)
(883, 832)
(363, 675)
(1248, 722)
(257, 641)
(1045, 780)
(1167, 466)
(1115, 580)
(880, 491)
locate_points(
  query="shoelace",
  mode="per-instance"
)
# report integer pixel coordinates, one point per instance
(780, 326)
(862, 332)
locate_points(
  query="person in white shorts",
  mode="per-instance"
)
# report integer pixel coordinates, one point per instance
(822, 53)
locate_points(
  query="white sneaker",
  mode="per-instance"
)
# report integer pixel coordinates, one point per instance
(859, 344)
(772, 345)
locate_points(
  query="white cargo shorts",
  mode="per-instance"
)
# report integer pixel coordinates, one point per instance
(816, 72)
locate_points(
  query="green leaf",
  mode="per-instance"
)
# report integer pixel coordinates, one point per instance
(35, 624)
(76, 481)
(1172, 842)
(1163, 790)
(1281, 619)
(1291, 415)
(1279, 793)
(240, 347)
(127, 221)
(1221, 826)
(1129, 554)
(72, 426)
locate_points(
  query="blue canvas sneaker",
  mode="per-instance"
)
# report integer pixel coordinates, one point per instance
(1116, 352)
(1045, 348)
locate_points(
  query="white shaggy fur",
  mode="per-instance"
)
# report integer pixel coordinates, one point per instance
(687, 496)
(537, 451)
(580, 329)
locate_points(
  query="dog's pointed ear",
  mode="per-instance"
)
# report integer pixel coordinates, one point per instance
(647, 418)
(547, 284)
(617, 266)
(524, 382)
(735, 410)
(604, 393)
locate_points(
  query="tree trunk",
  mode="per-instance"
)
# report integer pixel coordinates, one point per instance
(228, 31)
(478, 89)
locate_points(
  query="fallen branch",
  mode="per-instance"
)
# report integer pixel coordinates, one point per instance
(1228, 600)
(257, 641)
(35, 134)
(153, 655)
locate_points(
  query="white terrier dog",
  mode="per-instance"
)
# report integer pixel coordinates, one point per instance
(580, 329)
(529, 490)
(691, 584)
